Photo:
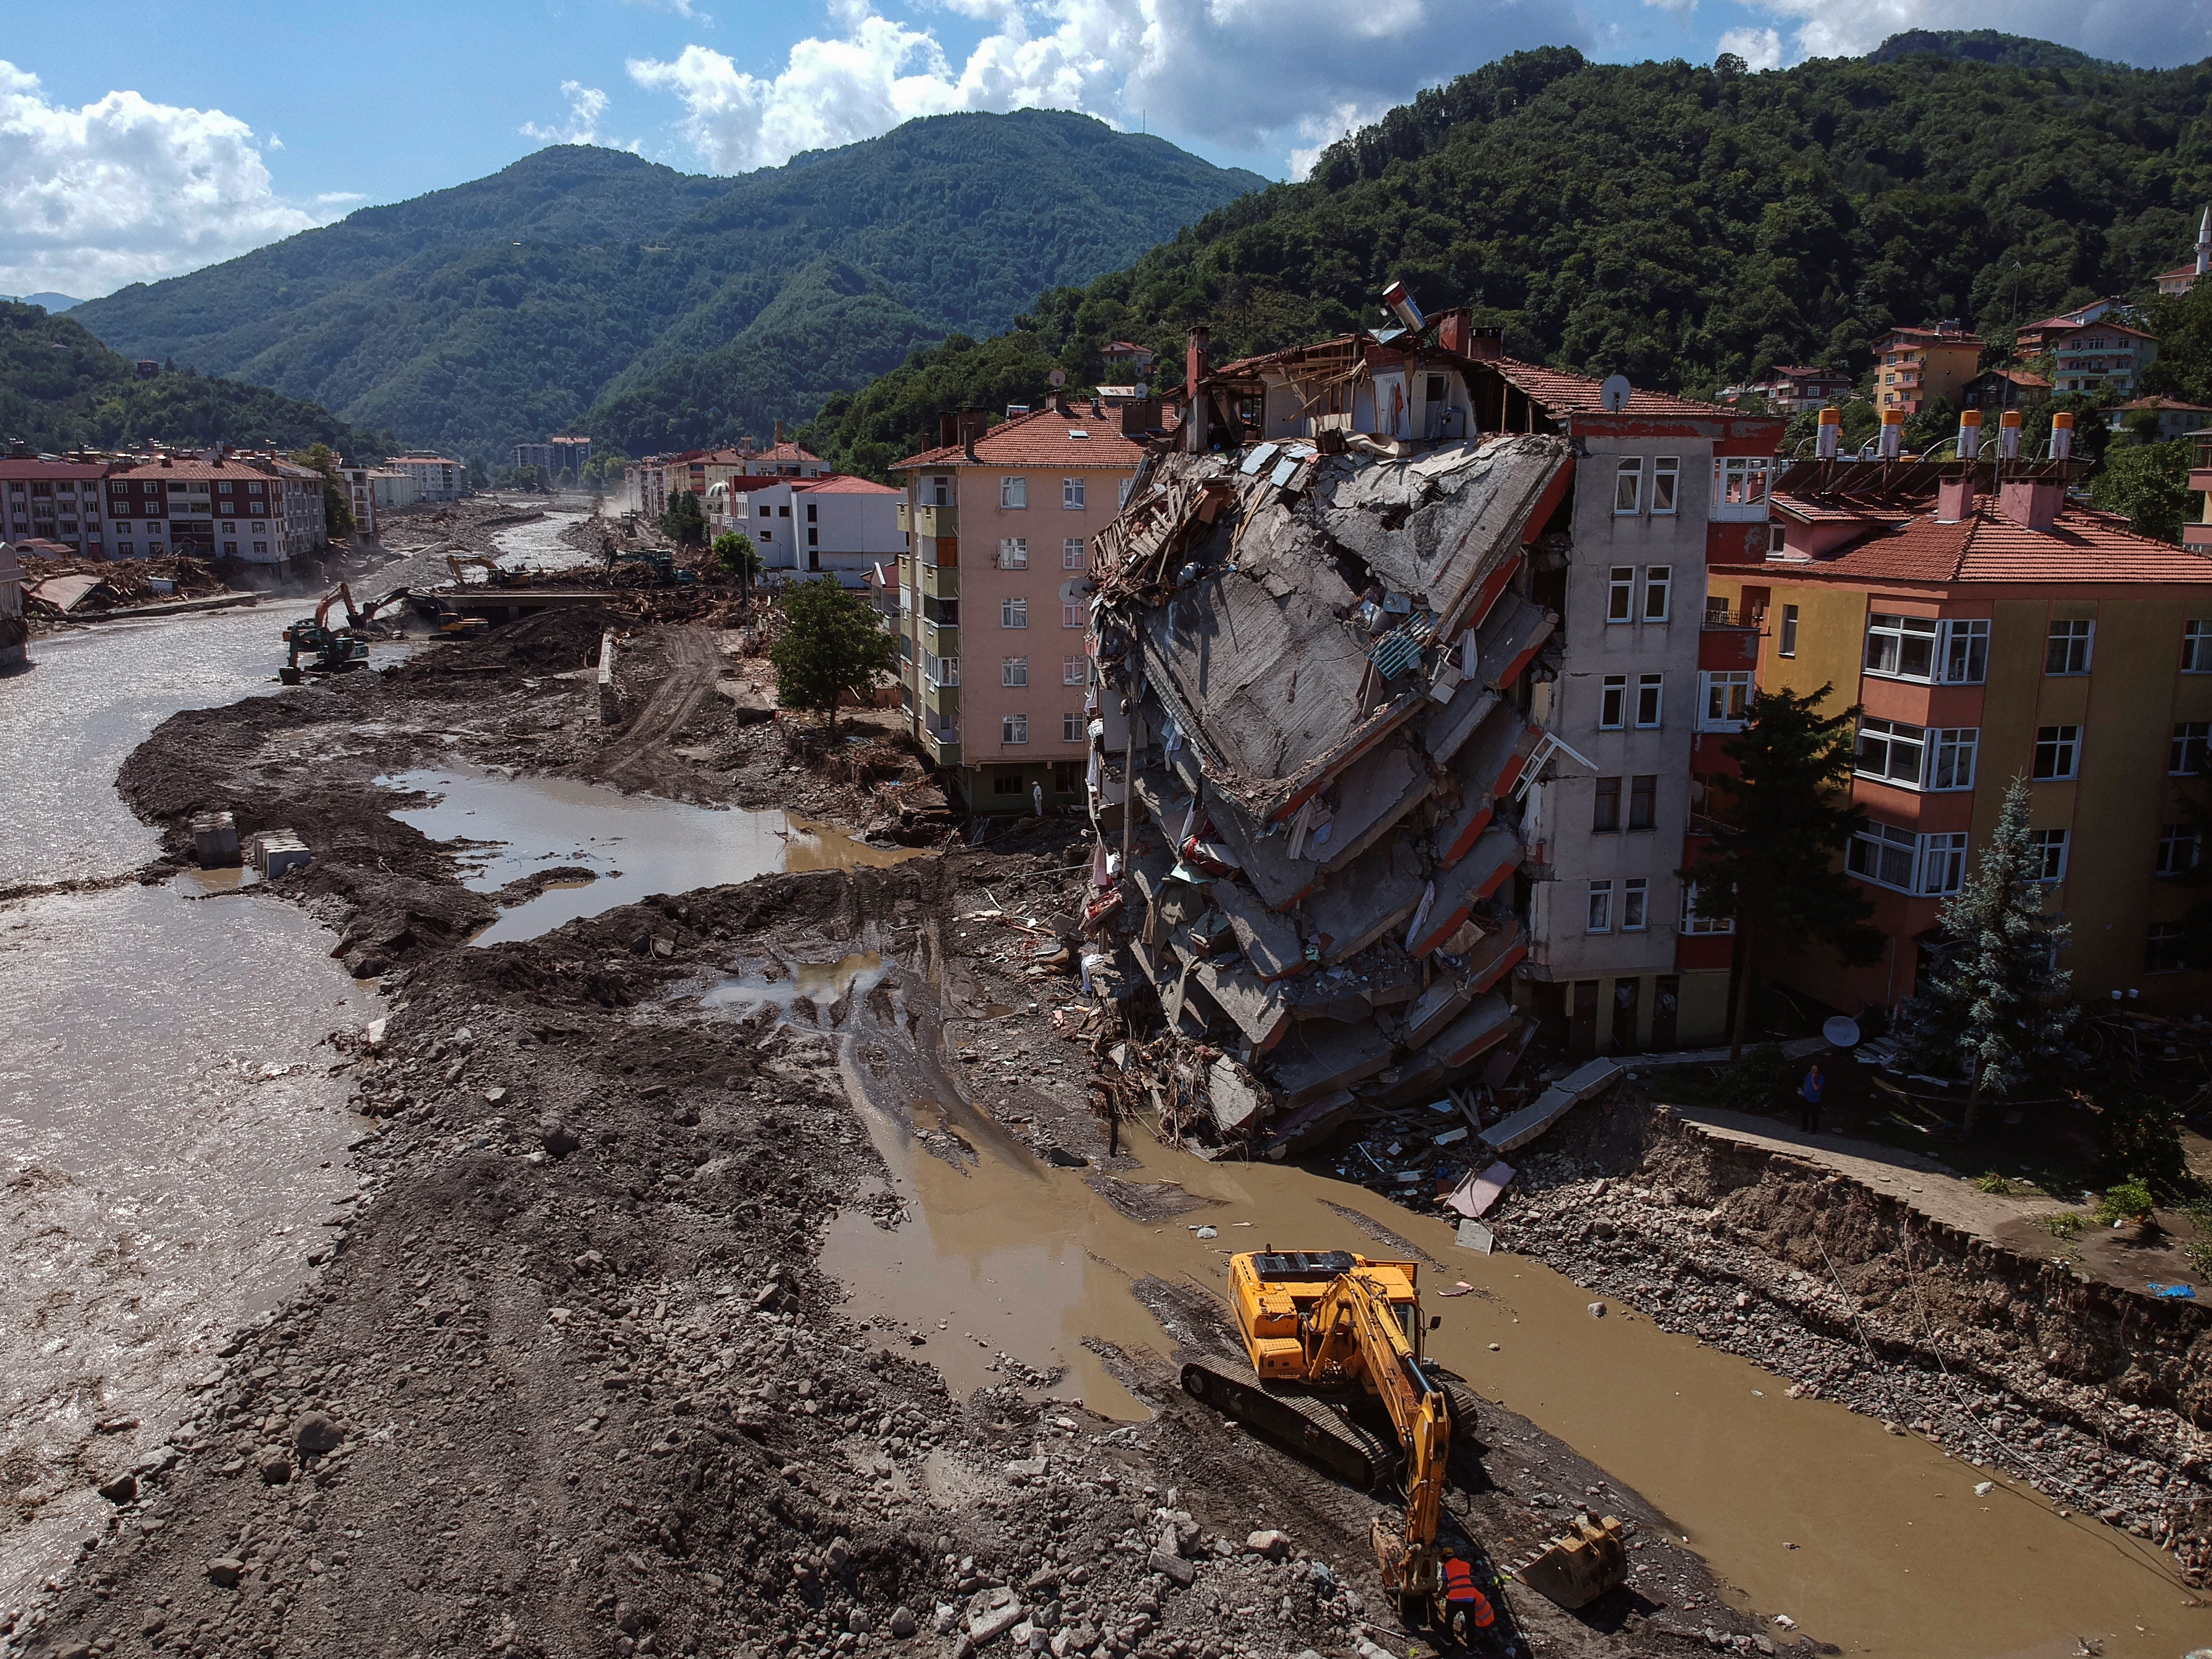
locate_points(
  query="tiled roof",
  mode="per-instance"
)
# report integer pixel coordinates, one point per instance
(179, 467)
(1989, 547)
(1563, 393)
(37, 469)
(843, 484)
(1938, 335)
(2163, 403)
(2188, 269)
(2017, 376)
(1041, 438)
(2105, 326)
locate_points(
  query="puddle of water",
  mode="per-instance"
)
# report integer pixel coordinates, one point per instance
(637, 844)
(819, 982)
(1896, 1555)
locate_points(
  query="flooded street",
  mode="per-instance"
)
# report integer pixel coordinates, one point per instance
(1875, 1542)
(169, 1137)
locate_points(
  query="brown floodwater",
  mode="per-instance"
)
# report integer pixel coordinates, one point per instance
(1895, 1555)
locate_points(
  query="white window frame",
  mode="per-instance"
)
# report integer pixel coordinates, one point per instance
(1943, 862)
(1070, 726)
(1071, 495)
(2186, 750)
(1952, 753)
(942, 673)
(1628, 487)
(1786, 644)
(1636, 905)
(1888, 638)
(1013, 729)
(1714, 686)
(1693, 923)
(1074, 615)
(1884, 855)
(2197, 648)
(1014, 671)
(1074, 554)
(2071, 745)
(1890, 735)
(1014, 553)
(2172, 839)
(1074, 670)
(1651, 689)
(1013, 493)
(1666, 485)
(1659, 587)
(1614, 689)
(2079, 640)
(1014, 612)
(1597, 915)
(2048, 842)
(1741, 486)
(1962, 654)
(1620, 594)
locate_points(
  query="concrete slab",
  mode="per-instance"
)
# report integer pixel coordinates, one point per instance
(1484, 1024)
(1505, 644)
(1454, 838)
(1372, 796)
(1235, 1103)
(1256, 1008)
(1305, 1128)
(1279, 880)
(1451, 725)
(1491, 764)
(1475, 877)
(1436, 1008)
(1554, 1103)
(1270, 941)
(1318, 1058)
(1376, 895)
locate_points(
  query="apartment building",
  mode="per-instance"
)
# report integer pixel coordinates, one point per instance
(252, 508)
(360, 496)
(993, 601)
(55, 499)
(828, 523)
(2004, 388)
(555, 457)
(2099, 357)
(2175, 418)
(647, 485)
(436, 480)
(1792, 389)
(1989, 631)
(1916, 367)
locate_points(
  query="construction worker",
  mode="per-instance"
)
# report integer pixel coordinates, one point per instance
(1468, 1616)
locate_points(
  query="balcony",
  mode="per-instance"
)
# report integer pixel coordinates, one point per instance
(904, 513)
(942, 702)
(940, 581)
(944, 745)
(942, 641)
(935, 521)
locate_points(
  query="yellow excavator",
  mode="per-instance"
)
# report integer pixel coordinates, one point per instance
(1328, 1331)
(495, 574)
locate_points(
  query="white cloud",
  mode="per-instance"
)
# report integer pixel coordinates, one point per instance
(2144, 32)
(1326, 129)
(1250, 75)
(680, 8)
(585, 106)
(1684, 9)
(124, 190)
(1760, 48)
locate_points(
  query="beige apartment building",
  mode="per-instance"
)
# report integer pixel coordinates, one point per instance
(994, 607)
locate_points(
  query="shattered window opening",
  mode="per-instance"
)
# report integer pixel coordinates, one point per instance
(1628, 486)
(1612, 703)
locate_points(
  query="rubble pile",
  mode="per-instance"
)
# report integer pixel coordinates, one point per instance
(1312, 730)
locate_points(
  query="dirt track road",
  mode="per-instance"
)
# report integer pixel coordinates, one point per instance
(639, 758)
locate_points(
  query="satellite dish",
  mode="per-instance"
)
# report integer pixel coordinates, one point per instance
(1074, 590)
(1613, 394)
(1841, 1030)
(1058, 376)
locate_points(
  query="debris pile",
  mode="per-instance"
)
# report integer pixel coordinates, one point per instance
(1310, 735)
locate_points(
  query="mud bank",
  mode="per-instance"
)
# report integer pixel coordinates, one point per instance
(2094, 1396)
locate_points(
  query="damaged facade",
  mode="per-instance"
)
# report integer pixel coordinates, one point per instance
(1400, 650)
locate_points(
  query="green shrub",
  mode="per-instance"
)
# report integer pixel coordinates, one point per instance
(2065, 1225)
(1759, 1079)
(2139, 1137)
(1994, 1182)
(2130, 1200)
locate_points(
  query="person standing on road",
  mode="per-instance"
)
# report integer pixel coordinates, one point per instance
(1808, 1110)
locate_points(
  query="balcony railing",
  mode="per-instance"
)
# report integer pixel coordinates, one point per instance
(1720, 616)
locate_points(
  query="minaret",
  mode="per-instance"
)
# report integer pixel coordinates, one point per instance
(2204, 244)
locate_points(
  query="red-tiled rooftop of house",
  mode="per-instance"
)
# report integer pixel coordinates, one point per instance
(30, 468)
(2104, 325)
(1563, 393)
(2162, 403)
(1989, 547)
(182, 468)
(843, 484)
(1044, 438)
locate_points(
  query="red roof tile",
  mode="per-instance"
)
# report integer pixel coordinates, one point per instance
(2083, 547)
(1563, 393)
(843, 484)
(31, 468)
(2163, 403)
(179, 467)
(2103, 326)
(1041, 438)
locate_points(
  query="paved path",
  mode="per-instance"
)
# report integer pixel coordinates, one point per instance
(1928, 1187)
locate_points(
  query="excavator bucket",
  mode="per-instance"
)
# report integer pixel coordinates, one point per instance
(1580, 1565)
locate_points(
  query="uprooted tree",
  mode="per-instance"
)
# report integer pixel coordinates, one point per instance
(1771, 863)
(833, 650)
(1997, 1006)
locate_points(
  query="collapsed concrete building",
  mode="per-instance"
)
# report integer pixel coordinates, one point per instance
(1401, 653)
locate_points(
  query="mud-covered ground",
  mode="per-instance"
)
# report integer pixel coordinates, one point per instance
(567, 1378)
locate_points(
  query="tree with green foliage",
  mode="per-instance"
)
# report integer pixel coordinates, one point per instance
(1781, 824)
(833, 650)
(337, 500)
(734, 550)
(1997, 1007)
(2149, 484)
(684, 522)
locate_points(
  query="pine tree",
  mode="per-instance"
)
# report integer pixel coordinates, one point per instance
(833, 647)
(1999, 1006)
(684, 523)
(735, 549)
(1771, 862)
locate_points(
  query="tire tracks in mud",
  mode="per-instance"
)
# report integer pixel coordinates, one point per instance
(640, 758)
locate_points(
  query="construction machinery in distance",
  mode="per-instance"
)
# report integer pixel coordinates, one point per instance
(495, 574)
(359, 619)
(658, 560)
(1330, 1335)
(312, 647)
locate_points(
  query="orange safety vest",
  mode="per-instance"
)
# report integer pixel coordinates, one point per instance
(1459, 1588)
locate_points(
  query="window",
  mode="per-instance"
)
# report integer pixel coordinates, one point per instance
(940, 490)
(2162, 949)
(1666, 475)
(1884, 854)
(810, 512)
(1628, 489)
(1726, 701)
(2068, 649)
(2058, 751)
(1612, 703)
(2180, 848)
(1007, 783)
(764, 512)
(2197, 648)
(1071, 616)
(2049, 848)
(1070, 731)
(1620, 594)
(1635, 896)
(1740, 486)
(1605, 808)
(1788, 647)
(1073, 670)
(813, 537)
(1600, 918)
(1014, 670)
(1643, 799)
(1014, 613)
(2191, 746)
(1695, 922)
(1071, 495)
(1955, 747)
(938, 670)
(1965, 651)
(1014, 553)
(1072, 554)
(1014, 728)
(1901, 647)
(1891, 751)
(1658, 588)
(1943, 862)
(1013, 492)
(1650, 689)
(782, 512)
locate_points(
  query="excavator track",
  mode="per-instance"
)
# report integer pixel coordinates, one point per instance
(1300, 1423)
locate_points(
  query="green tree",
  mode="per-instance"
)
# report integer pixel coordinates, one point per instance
(1771, 862)
(337, 500)
(2148, 484)
(684, 523)
(734, 549)
(1997, 1007)
(833, 650)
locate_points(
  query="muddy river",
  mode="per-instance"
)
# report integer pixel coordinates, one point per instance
(1874, 1542)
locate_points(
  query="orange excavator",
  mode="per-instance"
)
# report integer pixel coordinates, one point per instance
(1329, 1335)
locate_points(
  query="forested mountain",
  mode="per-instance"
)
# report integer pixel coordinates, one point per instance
(60, 388)
(1685, 225)
(587, 289)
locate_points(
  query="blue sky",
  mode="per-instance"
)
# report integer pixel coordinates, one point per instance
(169, 136)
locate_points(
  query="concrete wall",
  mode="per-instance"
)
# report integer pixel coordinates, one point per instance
(12, 651)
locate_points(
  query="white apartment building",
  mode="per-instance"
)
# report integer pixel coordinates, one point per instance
(436, 478)
(835, 524)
